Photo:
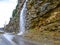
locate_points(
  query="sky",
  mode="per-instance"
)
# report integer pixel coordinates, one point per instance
(6, 8)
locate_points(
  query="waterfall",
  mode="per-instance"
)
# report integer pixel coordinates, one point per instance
(22, 19)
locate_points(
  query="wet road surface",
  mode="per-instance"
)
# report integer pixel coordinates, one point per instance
(18, 40)
(4, 41)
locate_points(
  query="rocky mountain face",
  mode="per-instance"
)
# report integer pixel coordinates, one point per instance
(42, 20)
(41, 12)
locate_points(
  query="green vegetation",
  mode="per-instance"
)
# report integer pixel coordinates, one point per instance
(15, 11)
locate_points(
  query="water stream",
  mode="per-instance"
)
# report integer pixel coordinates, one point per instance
(9, 36)
(22, 19)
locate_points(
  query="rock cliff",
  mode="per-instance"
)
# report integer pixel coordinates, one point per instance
(42, 20)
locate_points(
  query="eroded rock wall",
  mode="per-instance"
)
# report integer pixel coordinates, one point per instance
(43, 20)
(38, 12)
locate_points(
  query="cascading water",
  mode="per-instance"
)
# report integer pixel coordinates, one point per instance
(22, 19)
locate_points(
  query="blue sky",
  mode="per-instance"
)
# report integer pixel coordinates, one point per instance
(4, 0)
(6, 8)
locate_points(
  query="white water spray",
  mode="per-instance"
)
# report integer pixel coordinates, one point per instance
(22, 19)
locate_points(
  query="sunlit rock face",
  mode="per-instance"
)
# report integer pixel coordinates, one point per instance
(39, 11)
(43, 19)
